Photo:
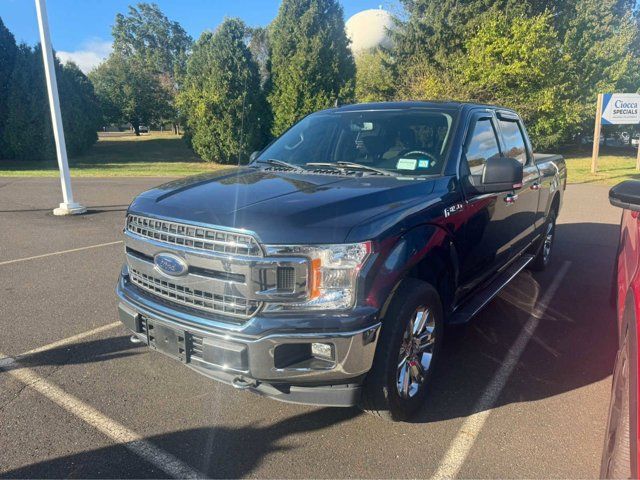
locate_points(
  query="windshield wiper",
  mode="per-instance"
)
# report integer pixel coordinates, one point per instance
(351, 166)
(280, 163)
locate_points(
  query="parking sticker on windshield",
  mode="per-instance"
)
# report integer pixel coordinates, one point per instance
(407, 164)
(422, 163)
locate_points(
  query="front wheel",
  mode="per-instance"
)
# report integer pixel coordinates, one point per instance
(409, 344)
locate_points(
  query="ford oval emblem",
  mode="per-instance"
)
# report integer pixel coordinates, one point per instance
(170, 264)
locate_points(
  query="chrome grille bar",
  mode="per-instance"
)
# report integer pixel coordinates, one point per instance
(193, 236)
(192, 297)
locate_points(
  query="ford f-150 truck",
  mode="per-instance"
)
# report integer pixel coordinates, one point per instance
(327, 270)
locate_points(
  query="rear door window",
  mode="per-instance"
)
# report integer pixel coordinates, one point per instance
(513, 140)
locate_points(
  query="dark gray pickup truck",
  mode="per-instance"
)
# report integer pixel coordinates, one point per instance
(326, 270)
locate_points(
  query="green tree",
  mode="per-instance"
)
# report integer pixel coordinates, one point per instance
(146, 37)
(80, 109)
(221, 96)
(259, 47)
(517, 63)
(434, 30)
(601, 54)
(129, 92)
(311, 64)
(8, 54)
(551, 74)
(375, 80)
(28, 133)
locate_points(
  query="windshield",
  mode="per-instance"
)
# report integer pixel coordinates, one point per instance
(413, 142)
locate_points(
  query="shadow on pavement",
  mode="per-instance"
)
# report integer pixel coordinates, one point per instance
(573, 346)
(218, 452)
(92, 351)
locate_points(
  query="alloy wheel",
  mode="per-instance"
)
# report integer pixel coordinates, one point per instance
(548, 242)
(416, 353)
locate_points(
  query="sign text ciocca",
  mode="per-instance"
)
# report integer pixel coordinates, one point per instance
(621, 109)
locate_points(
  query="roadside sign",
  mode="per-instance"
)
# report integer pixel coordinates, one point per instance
(621, 109)
(615, 109)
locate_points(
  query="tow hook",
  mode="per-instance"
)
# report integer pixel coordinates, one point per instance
(242, 384)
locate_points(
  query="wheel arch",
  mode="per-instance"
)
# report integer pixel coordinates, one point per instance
(554, 205)
(426, 253)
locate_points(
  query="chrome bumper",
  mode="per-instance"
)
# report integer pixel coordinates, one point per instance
(246, 361)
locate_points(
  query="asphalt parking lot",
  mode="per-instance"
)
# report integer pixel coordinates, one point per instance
(83, 401)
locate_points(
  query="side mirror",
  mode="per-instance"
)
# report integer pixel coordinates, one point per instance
(626, 195)
(253, 156)
(501, 174)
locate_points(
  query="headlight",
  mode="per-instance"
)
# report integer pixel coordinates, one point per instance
(333, 271)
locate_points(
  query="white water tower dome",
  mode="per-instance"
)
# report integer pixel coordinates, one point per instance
(369, 29)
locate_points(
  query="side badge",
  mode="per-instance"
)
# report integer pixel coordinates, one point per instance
(453, 209)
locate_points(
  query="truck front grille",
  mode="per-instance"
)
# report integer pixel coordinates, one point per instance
(192, 236)
(191, 297)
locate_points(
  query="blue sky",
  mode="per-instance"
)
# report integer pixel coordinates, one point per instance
(81, 30)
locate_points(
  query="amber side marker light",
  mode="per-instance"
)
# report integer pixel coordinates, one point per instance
(316, 277)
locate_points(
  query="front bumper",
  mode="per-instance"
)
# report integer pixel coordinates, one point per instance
(261, 355)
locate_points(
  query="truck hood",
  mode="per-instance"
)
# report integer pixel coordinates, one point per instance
(282, 207)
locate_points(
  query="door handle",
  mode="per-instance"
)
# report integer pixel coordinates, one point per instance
(535, 186)
(510, 198)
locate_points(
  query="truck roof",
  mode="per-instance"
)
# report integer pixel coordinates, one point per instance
(412, 104)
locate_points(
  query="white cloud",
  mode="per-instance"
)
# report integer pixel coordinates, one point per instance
(89, 56)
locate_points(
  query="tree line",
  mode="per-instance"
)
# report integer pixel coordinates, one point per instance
(25, 119)
(547, 59)
(235, 88)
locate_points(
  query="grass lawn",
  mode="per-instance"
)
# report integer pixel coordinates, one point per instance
(124, 155)
(613, 167)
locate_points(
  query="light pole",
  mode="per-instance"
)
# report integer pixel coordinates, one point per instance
(68, 206)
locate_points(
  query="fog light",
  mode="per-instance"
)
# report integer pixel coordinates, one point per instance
(322, 351)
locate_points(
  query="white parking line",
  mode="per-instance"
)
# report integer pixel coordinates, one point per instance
(8, 262)
(69, 340)
(461, 445)
(108, 427)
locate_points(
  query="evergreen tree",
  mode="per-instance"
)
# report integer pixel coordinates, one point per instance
(80, 109)
(221, 97)
(8, 54)
(375, 80)
(28, 133)
(311, 63)
(259, 47)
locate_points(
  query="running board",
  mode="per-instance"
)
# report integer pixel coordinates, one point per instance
(467, 311)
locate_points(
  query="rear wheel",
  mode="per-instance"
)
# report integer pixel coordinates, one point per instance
(543, 257)
(409, 344)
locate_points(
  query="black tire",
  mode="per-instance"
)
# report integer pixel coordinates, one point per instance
(543, 255)
(616, 455)
(381, 395)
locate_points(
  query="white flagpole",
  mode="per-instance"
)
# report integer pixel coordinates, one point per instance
(68, 206)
